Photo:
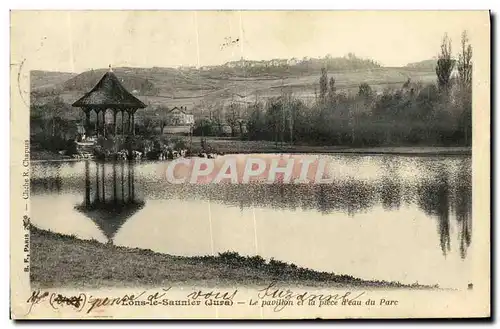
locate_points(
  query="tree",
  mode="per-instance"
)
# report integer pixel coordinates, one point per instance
(162, 118)
(464, 62)
(274, 117)
(206, 109)
(445, 65)
(54, 110)
(406, 85)
(465, 87)
(240, 125)
(331, 91)
(323, 85)
(256, 125)
(365, 91)
(233, 116)
(218, 118)
(148, 124)
(426, 103)
(202, 127)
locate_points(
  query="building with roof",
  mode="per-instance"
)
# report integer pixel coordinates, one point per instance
(180, 117)
(178, 121)
(109, 94)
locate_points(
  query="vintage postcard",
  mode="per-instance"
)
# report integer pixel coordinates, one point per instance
(250, 164)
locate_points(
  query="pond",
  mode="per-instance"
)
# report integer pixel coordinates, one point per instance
(384, 217)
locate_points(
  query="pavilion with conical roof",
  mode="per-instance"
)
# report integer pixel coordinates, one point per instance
(109, 94)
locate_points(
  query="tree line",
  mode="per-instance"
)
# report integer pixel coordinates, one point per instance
(438, 113)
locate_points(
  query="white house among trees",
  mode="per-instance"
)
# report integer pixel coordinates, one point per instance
(180, 117)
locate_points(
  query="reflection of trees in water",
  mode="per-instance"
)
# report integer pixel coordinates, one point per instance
(441, 190)
(390, 193)
(434, 199)
(113, 203)
(52, 183)
(463, 207)
(390, 185)
(349, 196)
(438, 195)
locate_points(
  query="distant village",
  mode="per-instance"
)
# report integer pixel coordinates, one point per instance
(309, 62)
(242, 63)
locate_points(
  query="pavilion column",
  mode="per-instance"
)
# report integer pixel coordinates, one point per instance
(123, 122)
(104, 122)
(133, 123)
(97, 121)
(128, 122)
(114, 121)
(87, 121)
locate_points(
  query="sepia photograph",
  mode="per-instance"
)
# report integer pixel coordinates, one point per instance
(315, 161)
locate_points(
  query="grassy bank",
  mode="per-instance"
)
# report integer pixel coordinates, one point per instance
(60, 260)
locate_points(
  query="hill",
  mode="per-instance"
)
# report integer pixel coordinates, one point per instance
(428, 64)
(194, 88)
(48, 79)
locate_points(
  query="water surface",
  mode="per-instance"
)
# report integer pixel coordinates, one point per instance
(397, 218)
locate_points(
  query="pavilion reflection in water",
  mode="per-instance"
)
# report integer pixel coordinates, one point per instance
(110, 204)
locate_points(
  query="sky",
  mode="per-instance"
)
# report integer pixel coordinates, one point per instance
(76, 41)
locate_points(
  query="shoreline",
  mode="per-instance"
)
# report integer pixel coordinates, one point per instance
(59, 260)
(334, 150)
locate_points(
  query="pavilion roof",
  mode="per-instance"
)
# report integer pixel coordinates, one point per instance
(109, 93)
(109, 216)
